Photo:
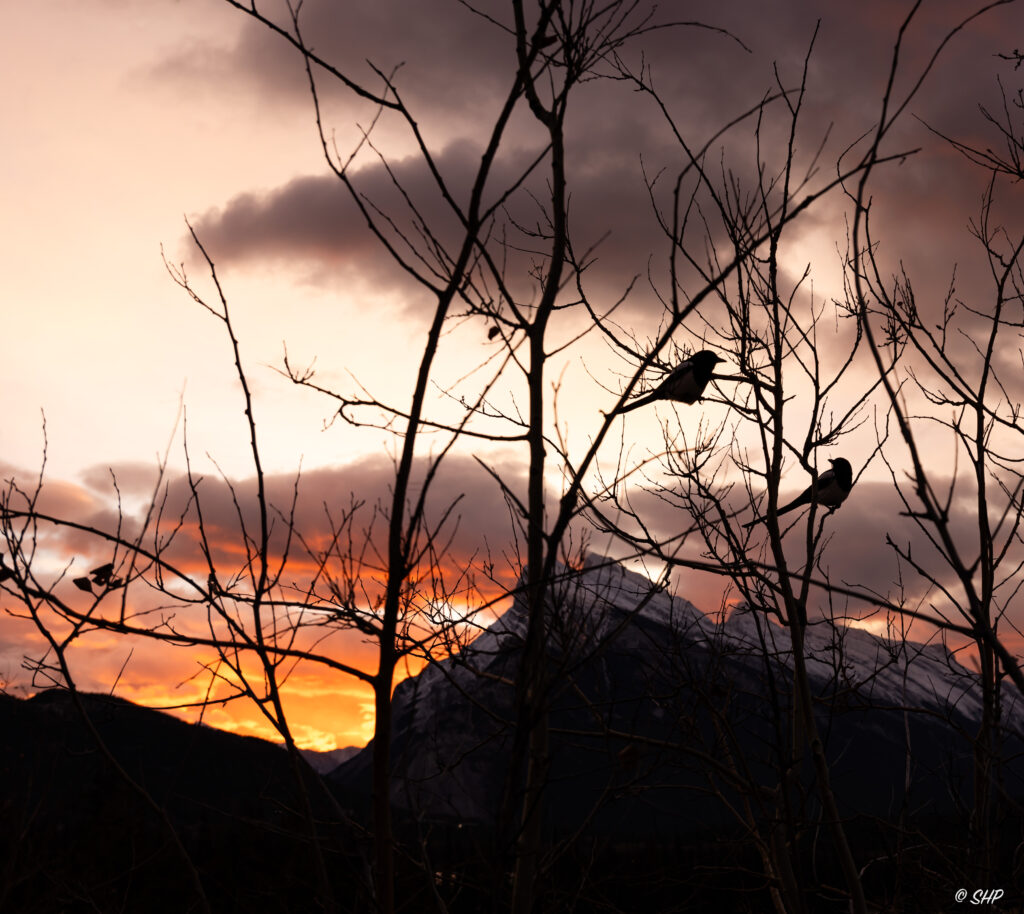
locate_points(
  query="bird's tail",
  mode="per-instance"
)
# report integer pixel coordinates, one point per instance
(642, 401)
(792, 506)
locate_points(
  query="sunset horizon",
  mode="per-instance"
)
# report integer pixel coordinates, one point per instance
(584, 407)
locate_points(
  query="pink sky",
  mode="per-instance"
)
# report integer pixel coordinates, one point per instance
(127, 116)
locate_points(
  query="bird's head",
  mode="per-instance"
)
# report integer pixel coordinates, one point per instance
(841, 467)
(706, 358)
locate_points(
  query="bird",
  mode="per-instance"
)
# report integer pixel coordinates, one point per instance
(829, 490)
(684, 384)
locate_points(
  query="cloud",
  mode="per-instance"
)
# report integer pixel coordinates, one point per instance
(457, 67)
(456, 75)
(445, 59)
(456, 70)
(857, 553)
(481, 529)
(465, 510)
(476, 563)
(312, 222)
(312, 225)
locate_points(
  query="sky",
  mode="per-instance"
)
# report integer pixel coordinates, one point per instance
(132, 117)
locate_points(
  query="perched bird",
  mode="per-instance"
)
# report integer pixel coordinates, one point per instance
(684, 384)
(828, 490)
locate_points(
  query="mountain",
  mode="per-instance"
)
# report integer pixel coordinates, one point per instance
(661, 720)
(78, 837)
(325, 761)
(670, 742)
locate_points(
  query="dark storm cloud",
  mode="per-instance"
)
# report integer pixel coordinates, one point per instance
(311, 219)
(456, 73)
(313, 224)
(315, 221)
(454, 63)
(457, 67)
(447, 59)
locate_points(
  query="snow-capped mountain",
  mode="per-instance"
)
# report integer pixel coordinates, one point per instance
(652, 704)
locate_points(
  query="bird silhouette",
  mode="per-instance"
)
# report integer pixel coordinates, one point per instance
(829, 490)
(684, 384)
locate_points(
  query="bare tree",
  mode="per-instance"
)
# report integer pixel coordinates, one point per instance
(958, 389)
(501, 256)
(777, 332)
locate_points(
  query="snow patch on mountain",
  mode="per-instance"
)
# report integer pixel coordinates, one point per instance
(626, 657)
(601, 603)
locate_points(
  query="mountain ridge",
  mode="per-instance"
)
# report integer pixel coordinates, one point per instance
(646, 669)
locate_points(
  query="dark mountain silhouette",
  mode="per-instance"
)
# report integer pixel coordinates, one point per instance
(662, 726)
(641, 682)
(77, 837)
(329, 759)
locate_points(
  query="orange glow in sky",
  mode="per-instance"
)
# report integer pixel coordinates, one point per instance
(126, 118)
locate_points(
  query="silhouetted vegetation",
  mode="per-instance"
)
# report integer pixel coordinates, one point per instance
(603, 746)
